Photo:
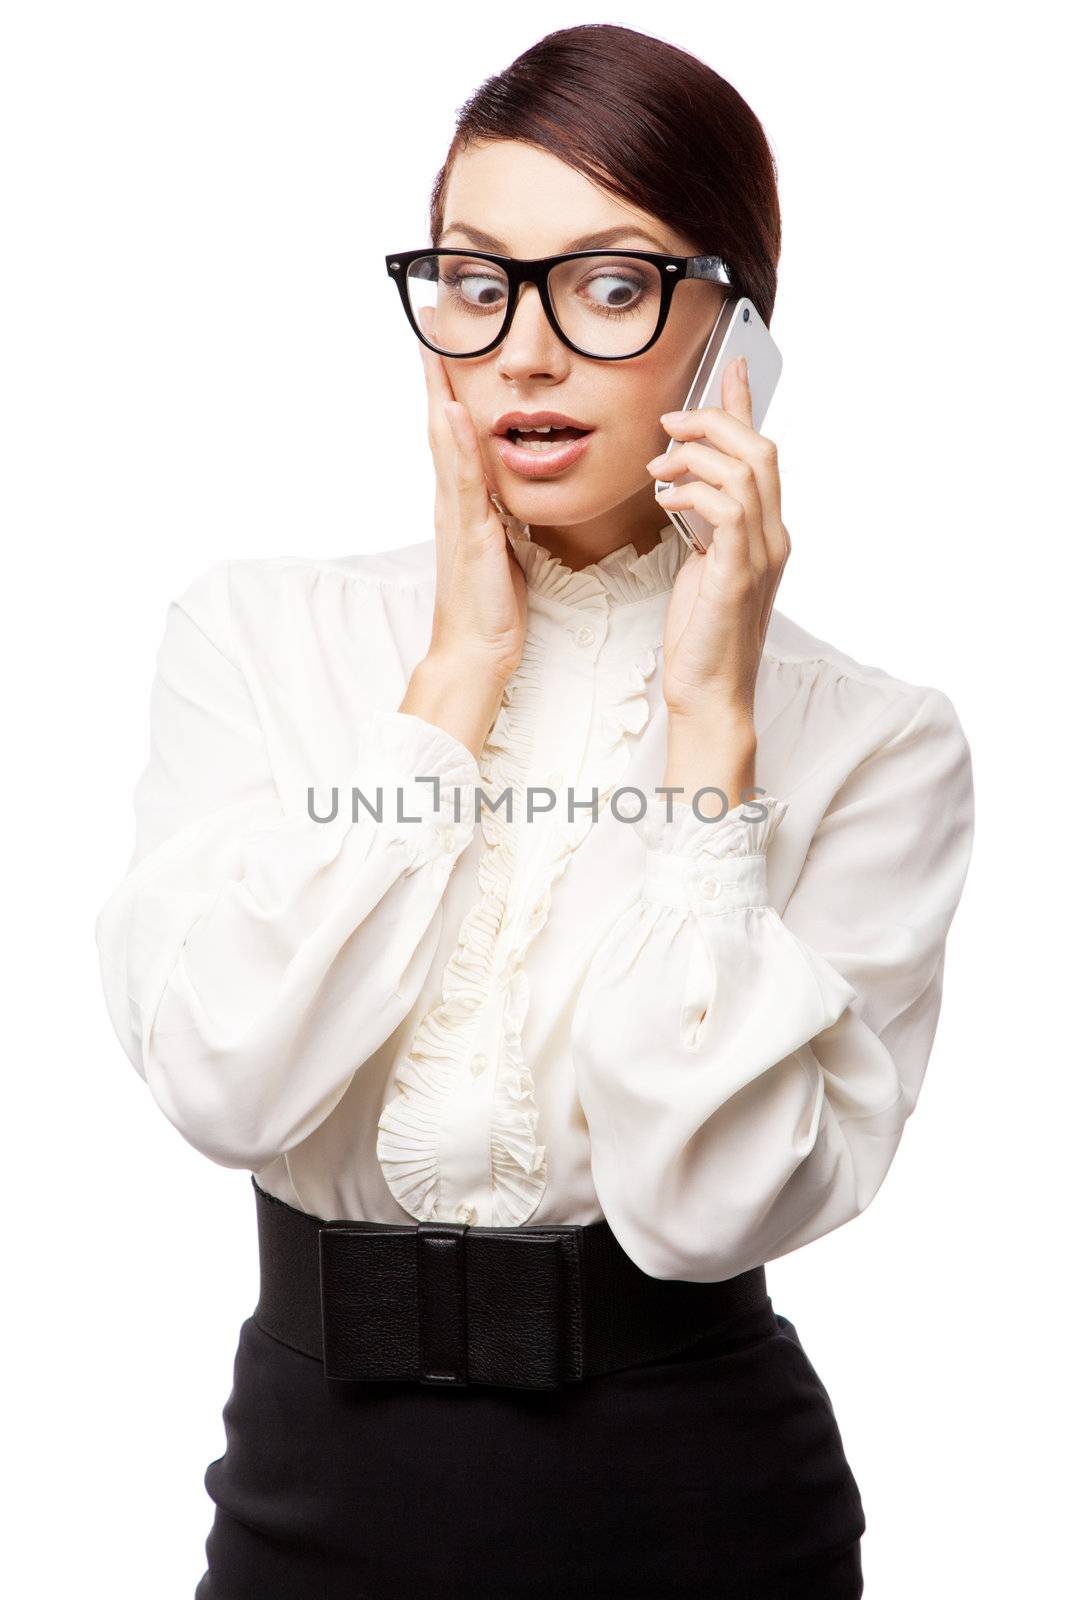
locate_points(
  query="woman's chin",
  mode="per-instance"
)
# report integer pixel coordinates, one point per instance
(549, 502)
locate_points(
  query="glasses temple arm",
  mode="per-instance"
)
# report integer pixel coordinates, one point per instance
(711, 268)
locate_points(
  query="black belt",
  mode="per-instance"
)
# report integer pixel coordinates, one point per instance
(531, 1307)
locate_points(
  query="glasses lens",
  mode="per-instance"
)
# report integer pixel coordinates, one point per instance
(606, 305)
(458, 301)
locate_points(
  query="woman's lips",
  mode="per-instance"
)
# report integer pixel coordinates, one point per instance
(543, 462)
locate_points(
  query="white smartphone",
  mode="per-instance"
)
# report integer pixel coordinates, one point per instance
(739, 331)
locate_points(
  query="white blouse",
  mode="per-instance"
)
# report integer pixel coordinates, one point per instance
(711, 1033)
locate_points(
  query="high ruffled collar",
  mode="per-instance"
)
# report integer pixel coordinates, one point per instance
(619, 577)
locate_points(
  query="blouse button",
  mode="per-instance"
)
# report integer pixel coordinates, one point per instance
(710, 888)
(584, 635)
(447, 837)
(466, 1213)
(478, 1065)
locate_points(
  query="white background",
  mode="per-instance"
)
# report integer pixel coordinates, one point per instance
(202, 357)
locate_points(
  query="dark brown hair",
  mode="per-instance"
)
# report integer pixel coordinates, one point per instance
(651, 124)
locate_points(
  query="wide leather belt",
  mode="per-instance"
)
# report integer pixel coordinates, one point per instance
(533, 1307)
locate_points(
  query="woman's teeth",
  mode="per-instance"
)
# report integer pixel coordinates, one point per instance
(543, 438)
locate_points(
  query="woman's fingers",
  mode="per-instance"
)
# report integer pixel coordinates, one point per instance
(736, 394)
(475, 509)
(731, 550)
(438, 394)
(455, 445)
(736, 488)
(730, 473)
(458, 462)
(728, 434)
(721, 471)
(443, 448)
(712, 464)
(715, 428)
(480, 591)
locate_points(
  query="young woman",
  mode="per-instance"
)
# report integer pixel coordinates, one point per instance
(534, 1062)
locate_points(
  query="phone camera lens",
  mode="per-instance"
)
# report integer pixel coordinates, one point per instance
(745, 315)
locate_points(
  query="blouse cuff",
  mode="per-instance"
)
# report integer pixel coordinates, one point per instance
(396, 750)
(704, 866)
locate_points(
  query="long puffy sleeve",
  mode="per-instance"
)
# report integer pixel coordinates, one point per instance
(254, 957)
(746, 1073)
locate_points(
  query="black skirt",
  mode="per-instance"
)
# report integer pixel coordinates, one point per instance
(717, 1472)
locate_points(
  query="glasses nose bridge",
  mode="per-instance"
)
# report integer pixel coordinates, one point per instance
(525, 275)
(530, 272)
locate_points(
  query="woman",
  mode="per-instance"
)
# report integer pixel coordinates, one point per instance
(560, 1091)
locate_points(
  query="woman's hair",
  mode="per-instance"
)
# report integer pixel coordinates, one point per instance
(651, 124)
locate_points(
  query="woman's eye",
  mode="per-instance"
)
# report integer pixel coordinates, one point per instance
(479, 289)
(613, 292)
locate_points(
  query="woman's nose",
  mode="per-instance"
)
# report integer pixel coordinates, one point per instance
(531, 348)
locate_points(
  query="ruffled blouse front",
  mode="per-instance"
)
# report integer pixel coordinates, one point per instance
(569, 715)
(539, 994)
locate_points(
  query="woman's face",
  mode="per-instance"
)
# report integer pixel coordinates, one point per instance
(517, 200)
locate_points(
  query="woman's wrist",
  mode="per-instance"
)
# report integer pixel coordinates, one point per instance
(711, 751)
(457, 694)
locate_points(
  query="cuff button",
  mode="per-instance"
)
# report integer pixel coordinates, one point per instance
(710, 887)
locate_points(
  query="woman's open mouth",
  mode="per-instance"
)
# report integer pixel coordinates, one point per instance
(543, 451)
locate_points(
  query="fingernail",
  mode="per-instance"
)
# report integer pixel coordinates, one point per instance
(742, 370)
(657, 461)
(671, 416)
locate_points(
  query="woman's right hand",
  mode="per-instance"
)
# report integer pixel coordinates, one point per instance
(480, 607)
(479, 619)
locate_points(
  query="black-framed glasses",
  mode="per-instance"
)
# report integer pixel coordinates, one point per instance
(608, 304)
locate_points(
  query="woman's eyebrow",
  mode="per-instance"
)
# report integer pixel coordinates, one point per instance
(590, 241)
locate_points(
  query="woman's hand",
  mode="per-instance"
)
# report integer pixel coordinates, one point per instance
(722, 601)
(480, 607)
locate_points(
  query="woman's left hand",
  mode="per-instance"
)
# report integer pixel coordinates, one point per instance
(721, 602)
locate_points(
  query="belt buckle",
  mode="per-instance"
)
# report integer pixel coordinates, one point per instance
(451, 1305)
(441, 1286)
(524, 1305)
